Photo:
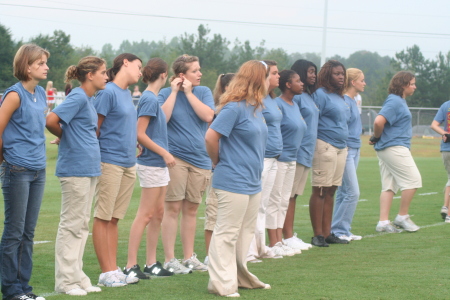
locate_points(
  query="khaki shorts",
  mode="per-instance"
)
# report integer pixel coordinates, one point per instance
(113, 191)
(211, 207)
(446, 159)
(301, 174)
(328, 165)
(151, 177)
(398, 169)
(187, 182)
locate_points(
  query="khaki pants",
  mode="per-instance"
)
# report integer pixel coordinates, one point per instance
(235, 227)
(77, 194)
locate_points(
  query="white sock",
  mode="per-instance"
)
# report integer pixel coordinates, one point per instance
(382, 223)
(401, 218)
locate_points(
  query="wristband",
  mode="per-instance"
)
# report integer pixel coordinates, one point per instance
(447, 136)
(374, 139)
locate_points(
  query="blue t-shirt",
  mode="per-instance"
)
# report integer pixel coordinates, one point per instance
(293, 128)
(310, 113)
(118, 131)
(156, 130)
(397, 130)
(273, 115)
(79, 150)
(443, 118)
(242, 145)
(334, 114)
(354, 124)
(185, 130)
(23, 137)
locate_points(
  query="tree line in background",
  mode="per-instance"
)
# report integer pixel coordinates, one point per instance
(218, 55)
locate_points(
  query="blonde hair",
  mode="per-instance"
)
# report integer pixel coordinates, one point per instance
(182, 64)
(25, 56)
(249, 83)
(352, 74)
(88, 64)
(49, 85)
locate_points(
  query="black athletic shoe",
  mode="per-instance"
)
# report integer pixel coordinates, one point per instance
(332, 239)
(35, 297)
(157, 270)
(136, 272)
(319, 241)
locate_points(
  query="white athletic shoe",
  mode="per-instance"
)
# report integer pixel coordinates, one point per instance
(406, 224)
(296, 243)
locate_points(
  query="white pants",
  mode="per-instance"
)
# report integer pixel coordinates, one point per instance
(279, 197)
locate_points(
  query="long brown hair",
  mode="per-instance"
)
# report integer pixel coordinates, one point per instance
(249, 83)
(222, 82)
(118, 63)
(85, 65)
(152, 70)
(325, 76)
(399, 82)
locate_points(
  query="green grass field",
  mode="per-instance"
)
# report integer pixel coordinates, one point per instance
(380, 266)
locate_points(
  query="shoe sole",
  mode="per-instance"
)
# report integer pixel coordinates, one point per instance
(444, 215)
(402, 228)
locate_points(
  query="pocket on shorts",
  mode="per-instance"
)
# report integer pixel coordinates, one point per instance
(319, 177)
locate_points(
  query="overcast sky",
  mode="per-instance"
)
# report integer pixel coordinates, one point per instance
(383, 26)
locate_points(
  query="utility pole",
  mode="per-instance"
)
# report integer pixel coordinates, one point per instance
(324, 35)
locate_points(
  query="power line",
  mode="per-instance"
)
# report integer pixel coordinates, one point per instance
(230, 21)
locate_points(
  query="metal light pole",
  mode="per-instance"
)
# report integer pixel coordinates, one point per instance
(324, 35)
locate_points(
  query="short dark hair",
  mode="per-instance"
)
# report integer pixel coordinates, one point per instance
(399, 81)
(285, 77)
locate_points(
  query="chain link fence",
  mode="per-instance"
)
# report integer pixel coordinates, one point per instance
(421, 120)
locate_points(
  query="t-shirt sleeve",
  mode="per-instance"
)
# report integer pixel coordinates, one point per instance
(67, 110)
(389, 111)
(163, 95)
(319, 98)
(104, 102)
(225, 120)
(148, 107)
(441, 115)
(207, 98)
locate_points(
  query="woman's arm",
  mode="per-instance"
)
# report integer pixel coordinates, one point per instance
(101, 118)
(203, 111)
(212, 138)
(53, 124)
(148, 143)
(435, 126)
(378, 127)
(10, 104)
(169, 104)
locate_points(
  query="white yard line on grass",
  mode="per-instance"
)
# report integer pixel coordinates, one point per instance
(41, 242)
(383, 233)
(423, 194)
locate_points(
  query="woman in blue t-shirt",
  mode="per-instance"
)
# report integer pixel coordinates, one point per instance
(392, 133)
(189, 108)
(310, 113)
(443, 117)
(116, 133)
(74, 122)
(273, 116)
(330, 152)
(238, 159)
(22, 153)
(347, 195)
(211, 199)
(152, 170)
(292, 130)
